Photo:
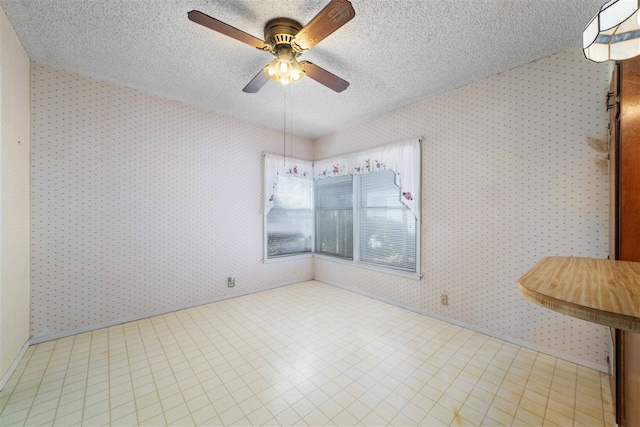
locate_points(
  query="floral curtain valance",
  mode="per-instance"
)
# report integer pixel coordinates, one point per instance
(403, 158)
(276, 166)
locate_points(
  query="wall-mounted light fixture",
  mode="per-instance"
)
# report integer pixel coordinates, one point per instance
(614, 33)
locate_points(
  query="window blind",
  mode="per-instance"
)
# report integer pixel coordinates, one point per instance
(387, 228)
(290, 220)
(334, 216)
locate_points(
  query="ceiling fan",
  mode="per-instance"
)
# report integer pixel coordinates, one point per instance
(286, 39)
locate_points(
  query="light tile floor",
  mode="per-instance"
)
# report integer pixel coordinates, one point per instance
(305, 354)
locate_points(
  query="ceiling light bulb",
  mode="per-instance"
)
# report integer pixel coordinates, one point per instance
(284, 69)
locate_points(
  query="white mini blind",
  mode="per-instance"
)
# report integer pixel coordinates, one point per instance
(387, 226)
(290, 220)
(288, 206)
(334, 216)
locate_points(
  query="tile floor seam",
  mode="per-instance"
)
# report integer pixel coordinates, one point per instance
(25, 359)
(555, 367)
(130, 376)
(502, 382)
(41, 379)
(484, 415)
(185, 355)
(66, 370)
(133, 386)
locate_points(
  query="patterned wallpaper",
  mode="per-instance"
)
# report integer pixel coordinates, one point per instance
(141, 203)
(510, 175)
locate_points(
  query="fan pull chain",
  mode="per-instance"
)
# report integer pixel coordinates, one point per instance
(284, 131)
(291, 121)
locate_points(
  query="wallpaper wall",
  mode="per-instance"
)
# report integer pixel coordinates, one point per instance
(513, 170)
(142, 204)
(14, 185)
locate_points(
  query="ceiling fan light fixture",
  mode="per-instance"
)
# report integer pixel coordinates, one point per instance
(614, 32)
(285, 68)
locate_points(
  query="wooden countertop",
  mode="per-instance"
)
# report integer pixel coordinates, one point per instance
(597, 290)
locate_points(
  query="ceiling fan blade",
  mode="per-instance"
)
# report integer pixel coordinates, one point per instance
(226, 29)
(333, 16)
(323, 76)
(257, 82)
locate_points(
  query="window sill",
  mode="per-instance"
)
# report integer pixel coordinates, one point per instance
(407, 274)
(287, 258)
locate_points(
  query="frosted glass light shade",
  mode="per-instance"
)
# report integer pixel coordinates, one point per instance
(614, 32)
(285, 69)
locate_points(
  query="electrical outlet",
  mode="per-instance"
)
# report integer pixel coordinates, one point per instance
(231, 282)
(444, 299)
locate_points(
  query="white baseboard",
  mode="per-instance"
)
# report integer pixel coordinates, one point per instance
(512, 340)
(14, 365)
(89, 328)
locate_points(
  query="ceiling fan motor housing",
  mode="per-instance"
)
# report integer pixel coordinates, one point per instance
(282, 31)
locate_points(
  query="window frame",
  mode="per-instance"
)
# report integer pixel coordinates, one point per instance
(357, 261)
(293, 255)
(278, 168)
(329, 209)
(403, 157)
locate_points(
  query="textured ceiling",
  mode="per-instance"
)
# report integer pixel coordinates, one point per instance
(394, 53)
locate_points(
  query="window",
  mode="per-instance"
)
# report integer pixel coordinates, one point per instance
(385, 229)
(290, 220)
(288, 208)
(361, 207)
(334, 216)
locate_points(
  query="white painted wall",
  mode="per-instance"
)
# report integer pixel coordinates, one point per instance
(509, 177)
(14, 196)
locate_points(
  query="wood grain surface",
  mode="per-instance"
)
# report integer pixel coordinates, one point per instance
(630, 161)
(601, 291)
(629, 227)
(613, 105)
